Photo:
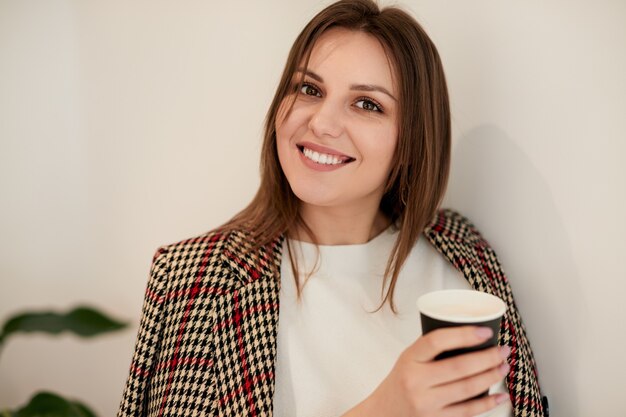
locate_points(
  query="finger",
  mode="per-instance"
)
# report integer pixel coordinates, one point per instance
(468, 364)
(475, 407)
(432, 344)
(467, 388)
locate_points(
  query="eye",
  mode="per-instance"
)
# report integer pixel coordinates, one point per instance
(368, 105)
(310, 90)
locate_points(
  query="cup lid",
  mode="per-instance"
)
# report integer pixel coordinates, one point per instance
(444, 305)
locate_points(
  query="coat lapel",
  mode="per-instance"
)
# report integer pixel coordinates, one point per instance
(245, 330)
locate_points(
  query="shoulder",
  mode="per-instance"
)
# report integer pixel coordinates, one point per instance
(195, 247)
(456, 237)
(458, 240)
(450, 225)
(225, 258)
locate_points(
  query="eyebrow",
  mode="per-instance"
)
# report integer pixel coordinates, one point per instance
(354, 87)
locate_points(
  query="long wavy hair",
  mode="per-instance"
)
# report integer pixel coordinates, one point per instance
(419, 173)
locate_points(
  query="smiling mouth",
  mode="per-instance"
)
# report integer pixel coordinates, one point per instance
(324, 158)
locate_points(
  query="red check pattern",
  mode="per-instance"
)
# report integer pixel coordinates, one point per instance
(206, 344)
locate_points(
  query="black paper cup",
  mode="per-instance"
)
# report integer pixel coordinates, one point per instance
(454, 308)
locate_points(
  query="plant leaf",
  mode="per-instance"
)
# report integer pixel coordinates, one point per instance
(82, 321)
(87, 412)
(7, 413)
(48, 404)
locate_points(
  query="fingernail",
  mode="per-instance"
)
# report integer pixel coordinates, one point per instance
(505, 351)
(484, 332)
(501, 398)
(504, 368)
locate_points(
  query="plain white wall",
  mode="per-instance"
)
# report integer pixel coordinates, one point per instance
(127, 125)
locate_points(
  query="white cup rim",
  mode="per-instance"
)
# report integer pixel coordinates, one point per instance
(428, 301)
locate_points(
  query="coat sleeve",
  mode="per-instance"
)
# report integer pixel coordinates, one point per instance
(148, 339)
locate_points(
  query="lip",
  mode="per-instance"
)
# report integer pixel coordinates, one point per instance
(322, 167)
(323, 149)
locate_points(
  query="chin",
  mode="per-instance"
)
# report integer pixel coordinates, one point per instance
(314, 197)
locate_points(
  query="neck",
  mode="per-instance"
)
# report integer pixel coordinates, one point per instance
(341, 226)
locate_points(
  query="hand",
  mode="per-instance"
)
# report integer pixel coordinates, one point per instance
(419, 386)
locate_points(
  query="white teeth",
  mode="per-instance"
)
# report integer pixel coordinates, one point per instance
(321, 158)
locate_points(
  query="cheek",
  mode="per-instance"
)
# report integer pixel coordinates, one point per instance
(391, 149)
(391, 142)
(282, 147)
(381, 147)
(284, 133)
(281, 114)
(281, 127)
(385, 158)
(289, 129)
(286, 115)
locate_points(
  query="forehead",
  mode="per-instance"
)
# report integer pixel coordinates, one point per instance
(351, 55)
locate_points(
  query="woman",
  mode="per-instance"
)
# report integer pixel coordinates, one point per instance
(344, 234)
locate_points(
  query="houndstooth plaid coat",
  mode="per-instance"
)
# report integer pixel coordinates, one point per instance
(207, 338)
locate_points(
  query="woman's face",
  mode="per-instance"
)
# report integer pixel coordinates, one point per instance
(337, 143)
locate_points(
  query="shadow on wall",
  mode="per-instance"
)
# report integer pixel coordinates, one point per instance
(494, 184)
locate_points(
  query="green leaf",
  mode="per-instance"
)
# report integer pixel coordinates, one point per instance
(7, 413)
(82, 321)
(87, 412)
(47, 404)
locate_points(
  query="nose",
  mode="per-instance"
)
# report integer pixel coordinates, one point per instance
(326, 120)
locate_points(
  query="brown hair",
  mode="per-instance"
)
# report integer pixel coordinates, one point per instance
(417, 181)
